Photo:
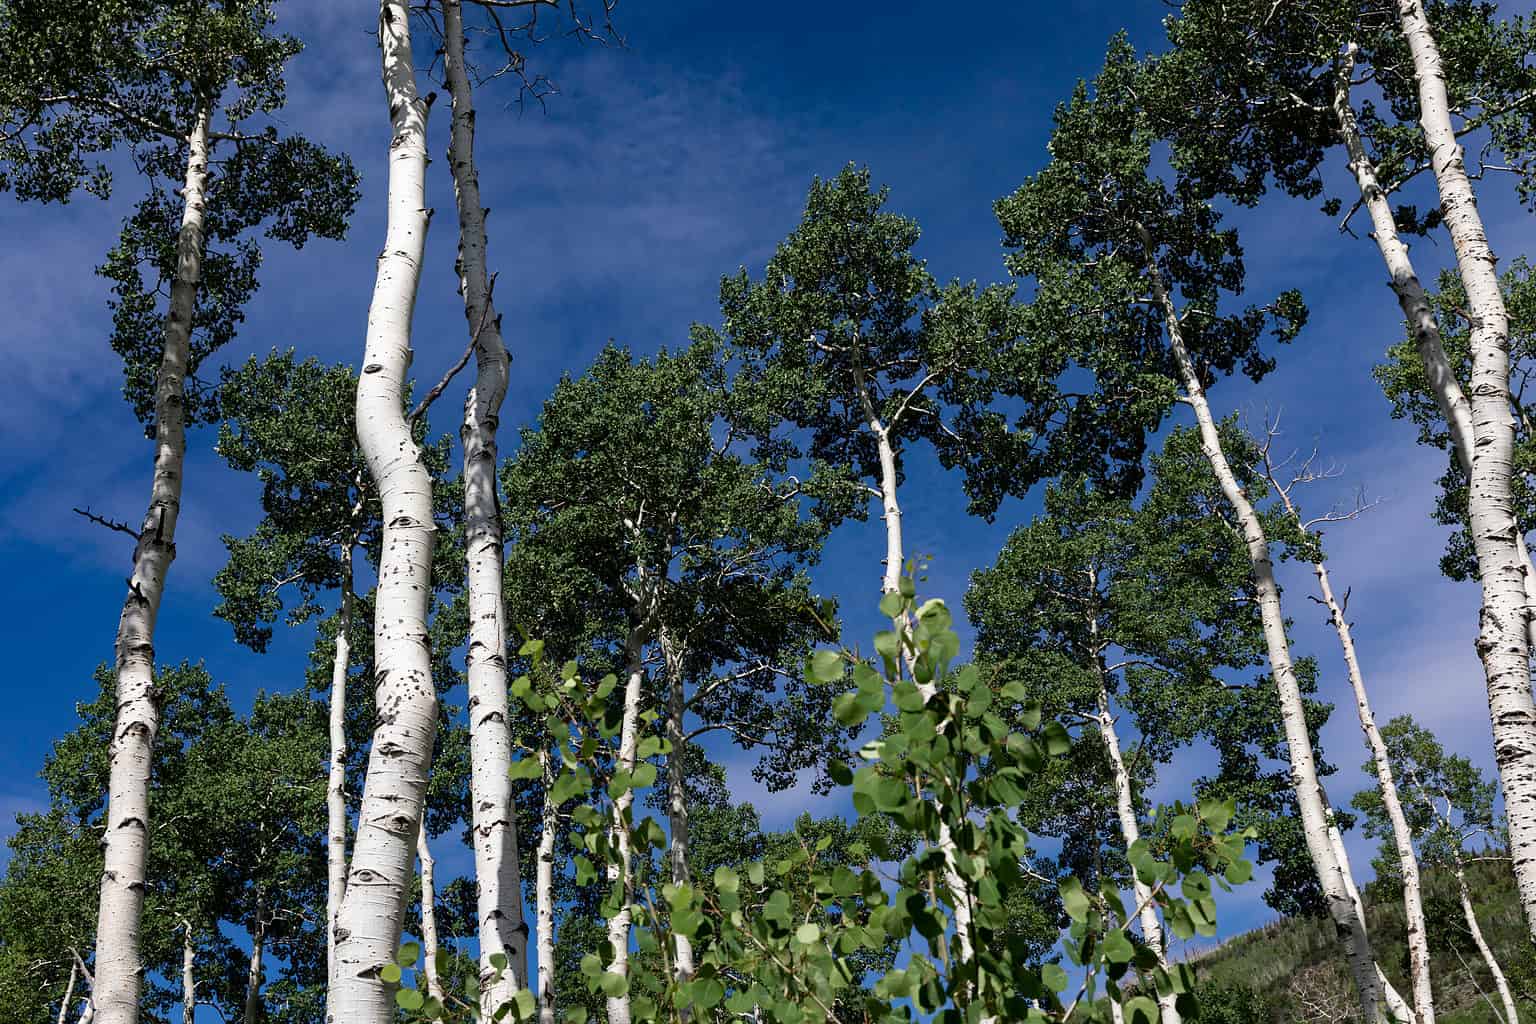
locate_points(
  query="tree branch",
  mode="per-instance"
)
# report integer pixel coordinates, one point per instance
(111, 524)
(453, 371)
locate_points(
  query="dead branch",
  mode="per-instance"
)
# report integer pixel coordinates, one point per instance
(474, 343)
(111, 524)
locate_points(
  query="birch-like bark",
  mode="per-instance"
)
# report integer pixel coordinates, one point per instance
(188, 979)
(1418, 312)
(69, 994)
(253, 974)
(895, 556)
(1315, 820)
(499, 903)
(1507, 997)
(677, 799)
(1397, 1007)
(619, 867)
(1402, 835)
(88, 1010)
(428, 915)
(1130, 827)
(394, 788)
(1503, 641)
(544, 895)
(336, 783)
(125, 842)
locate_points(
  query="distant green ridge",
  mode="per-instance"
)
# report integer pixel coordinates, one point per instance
(1292, 970)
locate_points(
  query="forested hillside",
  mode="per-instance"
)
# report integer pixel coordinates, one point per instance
(469, 668)
(1289, 969)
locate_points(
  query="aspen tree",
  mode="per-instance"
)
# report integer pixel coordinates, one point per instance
(1107, 616)
(1447, 806)
(1281, 99)
(634, 517)
(503, 931)
(1097, 231)
(154, 78)
(369, 921)
(847, 336)
(1380, 764)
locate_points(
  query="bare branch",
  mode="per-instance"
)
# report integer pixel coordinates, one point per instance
(111, 524)
(474, 343)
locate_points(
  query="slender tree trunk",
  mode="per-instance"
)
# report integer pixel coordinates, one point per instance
(88, 1011)
(544, 895)
(499, 905)
(1398, 1007)
(125, 841)
(1402, 835)
(1413, 300)
(336, 784)
(69, 994)
(428, 915)
(188, 980)
(1503, 641)
(677, 799)
(620, 868)
(895, 558)
(1511, 1015)
(373, 908)
(1130, 827)
(1332, 875)
(253, 975)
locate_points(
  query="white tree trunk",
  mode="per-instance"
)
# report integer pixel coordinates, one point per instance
(125, 842)
(1402, 835)
(544, 895)
(253, 974)
(895, 558)
(1130, 828)
(1331, 873)
(336, 783)
(373, 908)
(428, 914)
(1511, 1015)
(1503, 640)
(188, 979)
(677, 800)
(1413, 300)
(69, 994)
(619, 869)
(499, 905)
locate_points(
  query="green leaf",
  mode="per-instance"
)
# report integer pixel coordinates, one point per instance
(1054, 977)
(498, 961)
(839, 772)
(1117, 949)
(525, 768)
(1073, 899)
(1217, 813)
(1057, 740)
(409, 953)
(390, 974)
(827, 666)
(1140, 1010)
(409, 999)
(891, 604)
(808, 933)
(613, 985)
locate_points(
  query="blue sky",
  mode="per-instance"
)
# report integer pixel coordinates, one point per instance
(658, 168)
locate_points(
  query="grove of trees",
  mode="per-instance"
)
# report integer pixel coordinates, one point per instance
(543, 655)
